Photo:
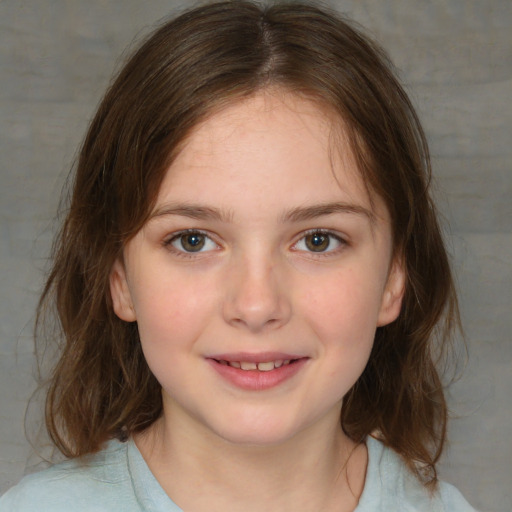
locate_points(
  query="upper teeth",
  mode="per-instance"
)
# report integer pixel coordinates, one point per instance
(262, 367)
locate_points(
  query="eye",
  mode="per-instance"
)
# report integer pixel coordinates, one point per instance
(319, 241)
(192, 241)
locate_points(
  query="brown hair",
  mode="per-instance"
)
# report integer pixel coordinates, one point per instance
(101, 387)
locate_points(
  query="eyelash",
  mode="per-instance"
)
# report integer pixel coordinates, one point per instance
(168, 243)
(323, 232)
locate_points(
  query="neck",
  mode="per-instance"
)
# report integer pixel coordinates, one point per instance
(318, 469)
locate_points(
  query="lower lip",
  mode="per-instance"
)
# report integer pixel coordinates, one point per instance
(255, 380)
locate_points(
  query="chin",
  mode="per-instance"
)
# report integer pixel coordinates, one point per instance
(256, 439)
(260, 431)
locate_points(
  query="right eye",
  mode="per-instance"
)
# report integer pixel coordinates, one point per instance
(320, 241)
(192, 241)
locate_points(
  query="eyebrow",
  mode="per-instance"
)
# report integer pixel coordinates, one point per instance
(312, 212)
(192, 211)
(298, 214)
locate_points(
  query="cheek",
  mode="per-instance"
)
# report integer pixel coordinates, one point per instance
(171, 319)
(171, 313)
(342, 313)
(344, 305)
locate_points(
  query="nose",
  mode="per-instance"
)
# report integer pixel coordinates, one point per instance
(257, 297)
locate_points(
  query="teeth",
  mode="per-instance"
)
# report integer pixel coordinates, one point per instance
(248, 366)
(262, 367)
(266, 367)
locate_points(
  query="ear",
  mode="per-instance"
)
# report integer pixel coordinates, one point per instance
(120, 293)
(393, 294)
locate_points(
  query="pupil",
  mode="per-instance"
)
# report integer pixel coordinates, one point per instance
(193, 242)
(317, 242)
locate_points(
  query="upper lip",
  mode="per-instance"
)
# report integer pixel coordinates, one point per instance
(260, 357)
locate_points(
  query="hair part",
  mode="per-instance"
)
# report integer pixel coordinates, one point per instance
(190, 68)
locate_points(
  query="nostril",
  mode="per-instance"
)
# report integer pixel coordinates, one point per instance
(255, 300)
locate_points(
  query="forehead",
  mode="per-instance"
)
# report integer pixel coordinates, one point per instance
(272, 141)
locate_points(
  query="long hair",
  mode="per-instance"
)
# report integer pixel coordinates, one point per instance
(192, 66)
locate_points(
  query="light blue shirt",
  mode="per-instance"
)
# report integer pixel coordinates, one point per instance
(118, 479)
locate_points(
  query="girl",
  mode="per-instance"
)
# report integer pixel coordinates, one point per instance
(251, 283)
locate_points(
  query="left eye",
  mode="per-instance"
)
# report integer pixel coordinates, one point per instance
(318, 241)
(192, 241)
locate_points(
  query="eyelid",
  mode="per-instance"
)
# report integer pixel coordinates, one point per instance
(340, 239)
(168, 242)
(333, 234)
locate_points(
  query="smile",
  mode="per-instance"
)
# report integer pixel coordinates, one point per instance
(253, 372)
(262, 367)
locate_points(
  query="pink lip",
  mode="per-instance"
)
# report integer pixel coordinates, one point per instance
(260, 357)
(255, 380)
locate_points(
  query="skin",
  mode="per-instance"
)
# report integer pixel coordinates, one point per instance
(254, 179)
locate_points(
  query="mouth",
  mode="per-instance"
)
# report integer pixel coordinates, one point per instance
(265, 366)
(257, 372)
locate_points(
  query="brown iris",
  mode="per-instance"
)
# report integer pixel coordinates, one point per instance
(192, 242)
(317, 242)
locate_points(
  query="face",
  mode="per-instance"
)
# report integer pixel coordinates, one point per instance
(262, 275)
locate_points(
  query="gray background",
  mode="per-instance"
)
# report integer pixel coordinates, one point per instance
(56, 57)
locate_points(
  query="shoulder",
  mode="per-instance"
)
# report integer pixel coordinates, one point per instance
(390, 485)
(92, 483)
(452, 499)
